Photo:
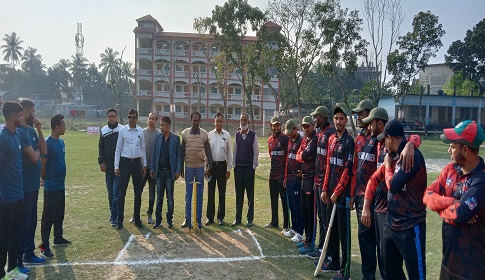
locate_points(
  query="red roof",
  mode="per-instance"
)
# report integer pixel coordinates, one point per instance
(149, 18)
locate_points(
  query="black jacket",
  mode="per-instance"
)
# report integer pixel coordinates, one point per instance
(107, 146)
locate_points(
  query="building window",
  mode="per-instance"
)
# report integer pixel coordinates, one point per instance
(158, 108)
(214, 90)
(237, 90)
(256, 91)
(202, 110)
(166, 108)
(178, 88)
(237, 111)
(178, 67)
(178, 108)
(213, 110)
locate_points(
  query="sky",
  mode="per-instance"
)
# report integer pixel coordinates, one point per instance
(50, 26)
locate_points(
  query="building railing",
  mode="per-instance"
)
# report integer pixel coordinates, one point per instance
(144, 51)
(144, 93)
(161, 73)
(182, 73)
(179, 94)
(162, 94)
(144, 71)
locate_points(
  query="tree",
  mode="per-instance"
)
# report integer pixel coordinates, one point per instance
(109, 65)
(415, 50)
(12, 49)
(384, 19)
(229, 24)
(58, 79)
(468, 56)
(32, 61)
(461, 86)
(35, 83)
(78, 69)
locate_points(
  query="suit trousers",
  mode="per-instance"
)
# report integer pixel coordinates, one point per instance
(130, 168)
(218, 174)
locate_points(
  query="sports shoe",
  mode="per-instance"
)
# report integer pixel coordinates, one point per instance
(22, 269)
(157, 225)
(315, 255)
(270, 225)
(132, 220)
(61, 242)
(16, 274)
(150, 220)
(170, 224)
(306, 249)
(327, 266)
(340, 276)
(288, 232)
(300, 244)
(113, 223)
(33, 260)
(297, 238)
(45, 251)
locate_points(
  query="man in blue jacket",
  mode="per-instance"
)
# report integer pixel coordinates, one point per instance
(165, 167)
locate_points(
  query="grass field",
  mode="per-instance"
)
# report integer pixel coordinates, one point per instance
(97, 251)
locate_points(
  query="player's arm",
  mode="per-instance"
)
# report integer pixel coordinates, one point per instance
(407, 154)
(42, 171)
(396, 181)
(370, 191)
(435, 196)
(344, 178)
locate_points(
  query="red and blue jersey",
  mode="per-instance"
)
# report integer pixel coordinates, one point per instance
(340, 160)
(293, 165)
(322, 145)
(365, 161)
(458, 197)
(277, 149)
(306, 156)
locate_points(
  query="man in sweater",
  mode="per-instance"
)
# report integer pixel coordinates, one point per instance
(150, 133)
(196, 151)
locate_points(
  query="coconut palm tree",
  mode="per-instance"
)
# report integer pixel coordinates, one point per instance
(78, 66)
(32, 61)
(110, 65)
(12, 49)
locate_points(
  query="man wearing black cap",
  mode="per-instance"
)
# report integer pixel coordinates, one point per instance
(277, 149)
(404, 236)
(306, 156)
(338, 189)
(324, 130)
(458, 196)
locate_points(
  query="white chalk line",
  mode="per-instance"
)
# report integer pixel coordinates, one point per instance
(119, 262)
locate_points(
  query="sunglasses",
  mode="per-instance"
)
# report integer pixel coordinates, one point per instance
(131, 117)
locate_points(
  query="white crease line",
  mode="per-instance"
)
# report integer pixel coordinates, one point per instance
(257, 243)
(120, 254)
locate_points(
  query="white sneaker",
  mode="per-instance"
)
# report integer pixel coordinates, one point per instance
(297, 238)
(16, 274)
(288, 232)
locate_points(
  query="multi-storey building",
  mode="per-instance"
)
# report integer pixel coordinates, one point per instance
(175, 75)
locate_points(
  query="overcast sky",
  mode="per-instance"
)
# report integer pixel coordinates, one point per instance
(50, 26)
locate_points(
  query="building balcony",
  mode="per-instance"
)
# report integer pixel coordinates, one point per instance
(198, 74)
(256, 97)
(144, 72)
(181, 115)
(163, 51)
(178, 94)
(144, 51)
(234, 97)
(199, 53)
(144, 93)
(182, 74)
(161, 73)
(199, 95)
(162, 94)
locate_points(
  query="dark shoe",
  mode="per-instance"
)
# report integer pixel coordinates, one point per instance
(33, 259)
(62, 242)
(138, 223)
(170, 224)
(327, 266)
(315, 255)
(209, 222)
(184, 224)
(220, 222)
(150, 220)
(45, 251)
(156, 225)
(249, 224)
(119, 225)
(270, 225)
(113, 223)
(235, 223)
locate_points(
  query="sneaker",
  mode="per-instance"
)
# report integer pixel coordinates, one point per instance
(315, 255)
(170, 224)
(327, 266)
(298, 238)
(132, 220)
(45, 251)
(22, 269)
(288, 232)
(306, 249)
(340, 276)
(16, 274)
(156, 225)
(61, 242)
(33, 260)
(300, 244)
(270, 225)
(113, 223)
(150, 220)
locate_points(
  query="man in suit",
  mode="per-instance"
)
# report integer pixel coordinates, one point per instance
(165, 168)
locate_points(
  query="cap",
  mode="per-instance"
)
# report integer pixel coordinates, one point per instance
(307, 120)
(365, 104)
(290, 124)
(467, 132)
(320, 110)
(275, 120)
(376, 113)
(339, 109)
(392, 128)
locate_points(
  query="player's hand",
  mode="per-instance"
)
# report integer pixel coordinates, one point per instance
(102, 167)
(284, 184)
(406, 158)
(351, 203)
(208, 172)
(37, 123)
(117, 172)
(182, 175)
(333, 198)
(228, 174)
(152, 174)
(177, 176)
(144, 171)
(473, 220)
(323, 196)
(366, 217)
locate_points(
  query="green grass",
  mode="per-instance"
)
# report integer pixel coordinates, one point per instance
(86, 224)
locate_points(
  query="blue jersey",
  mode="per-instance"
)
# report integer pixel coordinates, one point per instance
(31, 170)
(55, 167)
(11, 183)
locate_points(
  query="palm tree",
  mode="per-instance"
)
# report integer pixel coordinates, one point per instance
(110, 64)
(32, 61)
(78, 67)
(12, 48)
(127, 74)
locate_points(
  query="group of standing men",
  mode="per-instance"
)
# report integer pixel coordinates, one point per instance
(160, 158)
(26, 158)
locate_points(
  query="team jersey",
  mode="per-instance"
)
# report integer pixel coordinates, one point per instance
(31, 171)
(322, 145)
(339, 165)
(458, 197)
(306, 156)
(278, 149)
(293, 165)
(55, 166)
(365, 161)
